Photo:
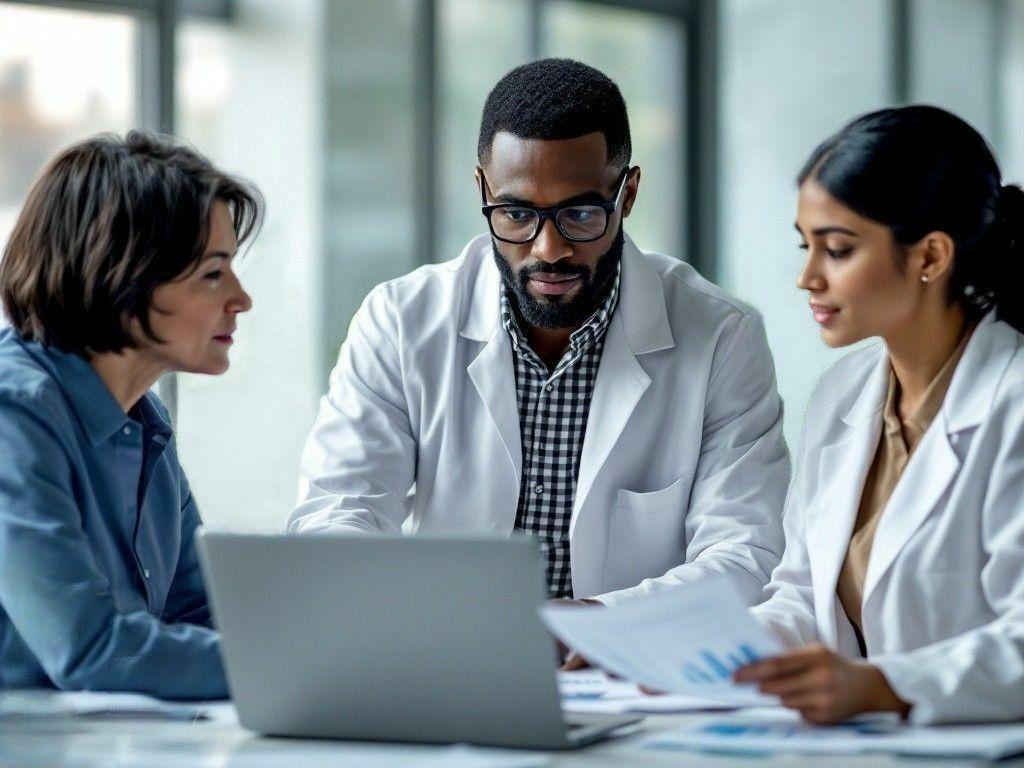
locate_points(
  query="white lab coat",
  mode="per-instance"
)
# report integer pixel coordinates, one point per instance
(943, 611)
(683, 468)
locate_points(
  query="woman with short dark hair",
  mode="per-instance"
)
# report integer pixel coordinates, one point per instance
(119, 269)
(902, 584)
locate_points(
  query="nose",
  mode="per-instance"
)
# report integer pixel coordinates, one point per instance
(810, 278)
(549, 245)
(240, 300)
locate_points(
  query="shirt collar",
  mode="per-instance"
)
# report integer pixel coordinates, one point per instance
(924, 414)
(95, 406)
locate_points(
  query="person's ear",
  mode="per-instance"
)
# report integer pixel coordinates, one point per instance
(933, 257)
(632, 187)
(478, 174)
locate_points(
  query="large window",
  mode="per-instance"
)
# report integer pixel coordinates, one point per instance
(64, 74)
(359, 122)
(643, 51)
(248, 94)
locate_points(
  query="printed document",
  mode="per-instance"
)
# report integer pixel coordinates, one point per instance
(687, 640)
(591, 691)
(783, 731)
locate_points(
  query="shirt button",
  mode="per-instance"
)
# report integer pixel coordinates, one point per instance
(127, 430)
(538, 489)
(145, 572)
(954, 439)
(549, 387)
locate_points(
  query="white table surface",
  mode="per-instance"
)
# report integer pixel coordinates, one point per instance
(119, 742)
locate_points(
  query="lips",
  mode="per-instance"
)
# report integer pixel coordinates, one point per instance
(553, 285)
(823, 314)
(224, 338)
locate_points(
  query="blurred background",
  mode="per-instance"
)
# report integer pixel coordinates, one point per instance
(358, 119)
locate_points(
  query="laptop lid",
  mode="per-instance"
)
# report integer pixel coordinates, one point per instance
(386, 638)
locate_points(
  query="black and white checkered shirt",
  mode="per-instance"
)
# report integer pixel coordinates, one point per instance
(553, 409)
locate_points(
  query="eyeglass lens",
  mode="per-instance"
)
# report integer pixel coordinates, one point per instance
(519, 225)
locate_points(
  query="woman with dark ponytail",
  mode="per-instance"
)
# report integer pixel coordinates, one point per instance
(902, 584)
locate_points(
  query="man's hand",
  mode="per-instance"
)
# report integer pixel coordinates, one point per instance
(822, 685)
(572, 660)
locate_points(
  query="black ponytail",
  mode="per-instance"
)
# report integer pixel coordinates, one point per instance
(1008, 253)
(921, 169)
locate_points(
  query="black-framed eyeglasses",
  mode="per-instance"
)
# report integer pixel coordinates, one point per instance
(578, 223)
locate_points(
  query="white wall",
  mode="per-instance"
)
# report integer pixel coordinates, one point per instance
(1011, 81)
(953, 59)
(793, 71)
(241, 434)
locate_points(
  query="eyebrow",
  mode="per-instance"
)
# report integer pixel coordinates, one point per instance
(591, 196)
(829, 230)
(218, 255)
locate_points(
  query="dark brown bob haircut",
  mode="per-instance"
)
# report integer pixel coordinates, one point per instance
(107, 222)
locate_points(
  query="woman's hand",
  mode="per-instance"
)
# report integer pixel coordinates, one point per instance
(822, 685)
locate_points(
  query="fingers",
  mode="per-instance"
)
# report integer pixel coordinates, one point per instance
(769, 669)
(650, 691)
(573, 662)
(789, 663)
(792, 685)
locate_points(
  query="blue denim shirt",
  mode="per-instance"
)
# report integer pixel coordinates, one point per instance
(100, 587)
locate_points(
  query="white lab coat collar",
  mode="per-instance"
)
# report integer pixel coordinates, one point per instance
(641, 309)
(976, 380)
(926, 478)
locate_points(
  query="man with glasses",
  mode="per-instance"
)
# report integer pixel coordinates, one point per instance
(556, 380)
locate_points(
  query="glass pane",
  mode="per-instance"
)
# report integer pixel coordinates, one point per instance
(314, 102)
(645, 53)
(472, 58)
(63, 75)
(248, 99)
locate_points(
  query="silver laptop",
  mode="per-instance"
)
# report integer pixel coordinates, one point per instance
(390, 639)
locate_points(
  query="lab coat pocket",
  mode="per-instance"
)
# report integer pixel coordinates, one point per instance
(646, 535)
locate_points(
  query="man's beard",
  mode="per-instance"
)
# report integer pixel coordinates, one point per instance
(556, 311)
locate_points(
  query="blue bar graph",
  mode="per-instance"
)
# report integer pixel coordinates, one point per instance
(720, 669)
(750, 654)
(717, 668)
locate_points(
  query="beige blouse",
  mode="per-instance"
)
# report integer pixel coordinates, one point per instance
(895, 447)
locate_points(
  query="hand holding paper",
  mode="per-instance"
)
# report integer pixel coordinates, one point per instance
(688, 640)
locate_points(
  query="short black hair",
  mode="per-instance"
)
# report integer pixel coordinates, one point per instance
(107, 222)
(556, 99)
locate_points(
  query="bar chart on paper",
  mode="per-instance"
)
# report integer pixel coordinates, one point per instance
(688, 640)
(711, 668)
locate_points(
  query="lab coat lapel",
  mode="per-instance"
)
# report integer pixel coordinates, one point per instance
(842, 468)
(621, 382)
(935, 463)
(491, 370)
(640, 325)
(493, 376)
(923, 483)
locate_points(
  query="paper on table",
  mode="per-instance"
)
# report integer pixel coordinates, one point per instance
(784, 732)
(686, 640)
(89, 703)
(591, 691)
